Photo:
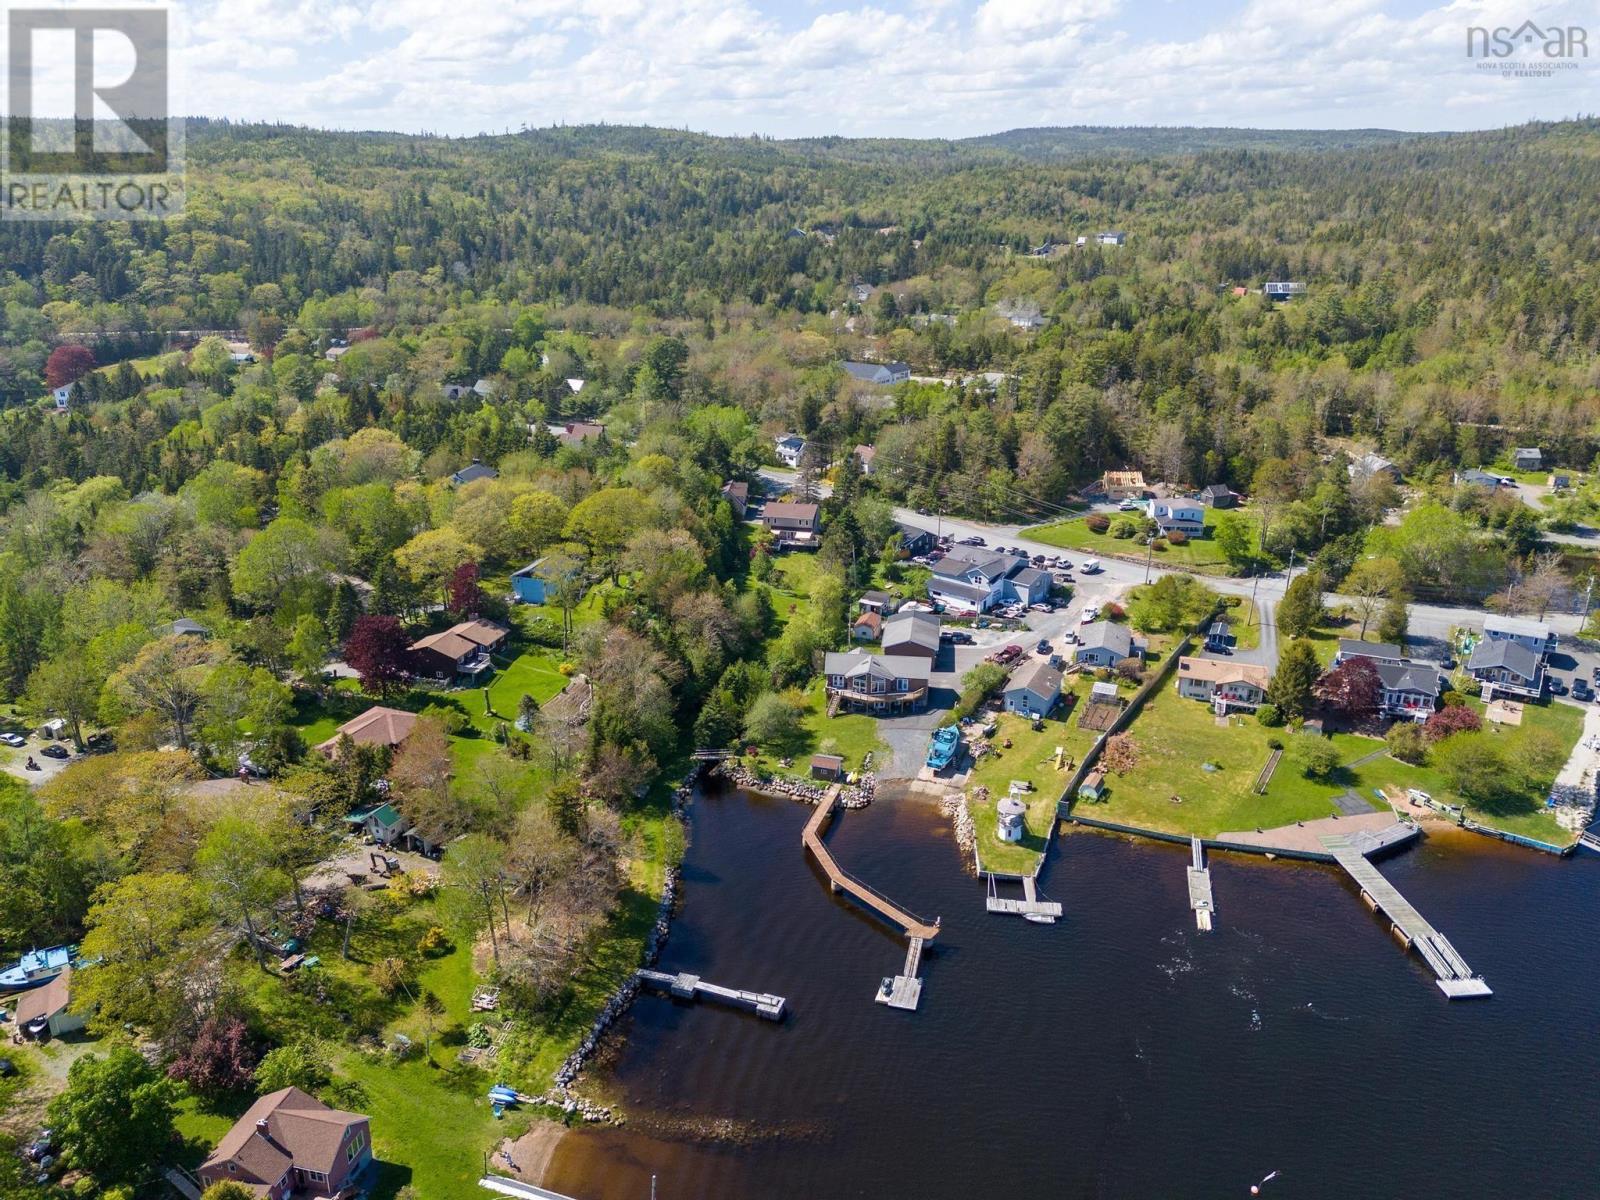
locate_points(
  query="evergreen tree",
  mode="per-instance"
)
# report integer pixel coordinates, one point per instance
(1300, 610)
(1293, 687)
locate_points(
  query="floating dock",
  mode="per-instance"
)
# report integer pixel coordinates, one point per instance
(684, 986)
(1200, 887)
(898, 991)
(1455, 979)
(1030, 906)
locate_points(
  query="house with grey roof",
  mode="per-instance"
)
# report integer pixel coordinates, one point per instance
(473, 473)
(1535, 635)
(1527, 458)
(1473, 477)
(875, 683)
(789, 448)
(1504, 667)
(973, 579)
(1217, 495)
(1410, 687)
(1105, 644)
(1369, 465)
(1033, 689)
(877, 374)
(912, 632)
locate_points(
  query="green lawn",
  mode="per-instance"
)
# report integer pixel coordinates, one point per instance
(1032, 758)
(852, 735)
(1197, 554)
(1176, 737)
(1244, 618)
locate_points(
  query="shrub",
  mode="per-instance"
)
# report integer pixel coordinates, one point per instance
(448, 715)
(1178, 537)
(1159, 545)
(1319, 758)
(1113, 612)
(434, 941)
(1269, 716)
(1097, 523)
(1407, 742)
(1274, 742)
(478, 1035)
(1124, 529)
(541, 631)
(1455, 719)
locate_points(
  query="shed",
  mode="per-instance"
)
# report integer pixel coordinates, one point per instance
(827, 766)
(1092, 786)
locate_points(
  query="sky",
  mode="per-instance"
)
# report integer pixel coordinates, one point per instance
(938, 68)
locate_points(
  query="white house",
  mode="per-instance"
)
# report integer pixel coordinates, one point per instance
(1224, 684)
(62, 396)
(1111, 237)
(789, 447)
(878, 374)
(971, 579)
(1534, 635)
(1183, 515)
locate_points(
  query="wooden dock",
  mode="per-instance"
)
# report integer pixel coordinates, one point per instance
(841, 880)
(684, 986)
(1455, 979)
(1200, 887)
(901, 991)
(1045, 912)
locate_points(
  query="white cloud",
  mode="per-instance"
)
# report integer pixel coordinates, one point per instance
(949, 68)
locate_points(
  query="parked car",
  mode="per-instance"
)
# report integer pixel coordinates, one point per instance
(1127, 506)
(956, 637)
(1091, 567)
(1043, 647)
(1557, 687)
(1090, 616)
(974, 540)
(54, 750)
(12, 739)
(1581, 690)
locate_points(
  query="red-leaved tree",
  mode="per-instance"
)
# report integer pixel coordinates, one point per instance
(376, 650)
(1352, 688)
(462, 595)
(1457, 719)
(68, 363)
(219, 1058)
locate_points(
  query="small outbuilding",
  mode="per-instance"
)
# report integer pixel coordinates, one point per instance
(1093, 785)
(1008, 819)
(829, 767)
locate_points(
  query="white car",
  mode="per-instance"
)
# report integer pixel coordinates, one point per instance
(1091, 567)
(1090, 616)
(11, 739)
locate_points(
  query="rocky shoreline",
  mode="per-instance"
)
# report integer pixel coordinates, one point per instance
(966, 833)
(858, 795)
(561, 1096)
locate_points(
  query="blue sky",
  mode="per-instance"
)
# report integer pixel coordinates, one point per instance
(942, 68)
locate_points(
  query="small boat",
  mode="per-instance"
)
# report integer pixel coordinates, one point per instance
(942, 750)
(37, 968)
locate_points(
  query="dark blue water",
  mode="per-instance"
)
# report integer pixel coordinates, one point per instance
(1116, 1053)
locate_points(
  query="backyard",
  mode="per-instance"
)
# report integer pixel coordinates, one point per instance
(1170, 789)
(1032, 759)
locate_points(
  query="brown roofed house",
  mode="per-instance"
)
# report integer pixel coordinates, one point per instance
(47, 1005)
(378, 726)
(291, 1144)
(791, 523)
(462, 651)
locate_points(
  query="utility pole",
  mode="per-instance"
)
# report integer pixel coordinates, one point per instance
(1149, 550)
(1588, 595)
(1255, 609)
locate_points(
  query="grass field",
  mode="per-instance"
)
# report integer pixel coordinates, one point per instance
(1197, 554)
(1176, 737)
(1031, 758)
(851, 735)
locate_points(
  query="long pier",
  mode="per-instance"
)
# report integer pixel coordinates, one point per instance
(1455, 979)
(902, 991)
(684, 986)
(841, 880)
(1200, 887)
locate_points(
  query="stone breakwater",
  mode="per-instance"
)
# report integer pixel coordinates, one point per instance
(561, 1094)
(858, 795)
(955, 807)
